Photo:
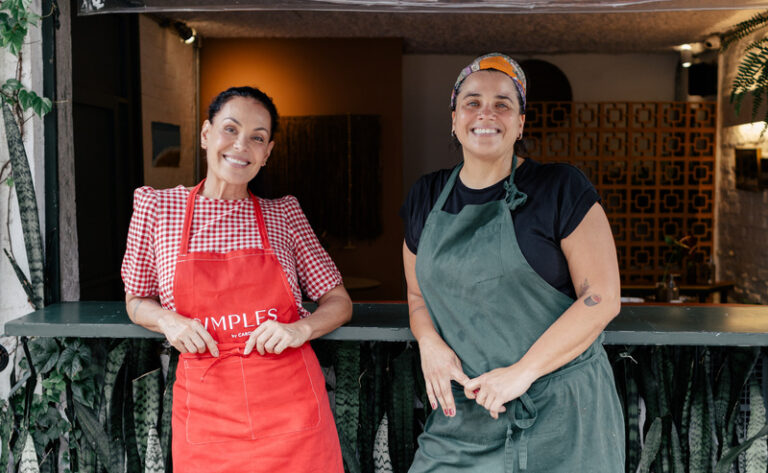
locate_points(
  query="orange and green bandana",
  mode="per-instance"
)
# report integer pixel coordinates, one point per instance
(495, 61)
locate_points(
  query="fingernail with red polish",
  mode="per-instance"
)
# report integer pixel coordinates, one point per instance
(446, 412)
(434, 405)
(451, 412)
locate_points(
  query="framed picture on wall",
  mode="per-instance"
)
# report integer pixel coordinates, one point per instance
(166, 145)
(747, 175)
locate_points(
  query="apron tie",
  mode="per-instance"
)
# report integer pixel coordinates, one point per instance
(514, 197)
(217, 359)
(522, 414)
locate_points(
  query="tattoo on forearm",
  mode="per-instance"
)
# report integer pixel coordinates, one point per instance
(592, 300)
(136, 306)
(415, 309)
(583, 288)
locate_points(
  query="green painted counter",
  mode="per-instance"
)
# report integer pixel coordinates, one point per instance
(642, 324)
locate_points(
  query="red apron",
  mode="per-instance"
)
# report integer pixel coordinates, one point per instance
(250, 413)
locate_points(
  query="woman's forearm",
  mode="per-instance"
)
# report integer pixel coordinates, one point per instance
(420, 321)
(576, 329)
(334, 309)
(591, 257)
(185, 334)
(147, 312)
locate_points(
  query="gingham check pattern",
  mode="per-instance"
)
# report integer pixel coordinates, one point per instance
(220, 226)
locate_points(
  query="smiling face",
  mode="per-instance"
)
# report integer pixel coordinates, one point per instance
(237, 145)
(487, 120)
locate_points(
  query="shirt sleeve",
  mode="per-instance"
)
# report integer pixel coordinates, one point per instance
(415, 210)
(139, 270)
(411, 228)
(315, 269)
(578, 195)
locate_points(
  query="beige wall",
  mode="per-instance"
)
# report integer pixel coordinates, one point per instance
(742, 221)
(428, 80)
(167, 95)
(329, 77)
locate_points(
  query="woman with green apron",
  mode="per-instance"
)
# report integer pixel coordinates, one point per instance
(515, 279)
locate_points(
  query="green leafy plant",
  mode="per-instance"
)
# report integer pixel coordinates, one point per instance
(15, 20)
(676, 252)
(752, 74)
(120, 421)
(105, 397)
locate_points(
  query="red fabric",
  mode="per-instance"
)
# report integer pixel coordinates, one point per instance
(246, 413)
(220, 226)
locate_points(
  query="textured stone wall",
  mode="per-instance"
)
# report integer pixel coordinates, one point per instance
(168, 83)
(742, 237)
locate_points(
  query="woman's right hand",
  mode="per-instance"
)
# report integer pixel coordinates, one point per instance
(439, 362)
(185, 334)
(440, 365)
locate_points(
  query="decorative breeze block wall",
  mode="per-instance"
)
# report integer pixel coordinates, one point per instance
(652, 163)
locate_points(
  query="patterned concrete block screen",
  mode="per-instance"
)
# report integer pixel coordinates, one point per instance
(653, 164)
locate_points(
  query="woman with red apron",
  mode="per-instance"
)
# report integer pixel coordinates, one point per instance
(249, 394)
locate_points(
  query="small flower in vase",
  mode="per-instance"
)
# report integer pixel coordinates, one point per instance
(666, 289)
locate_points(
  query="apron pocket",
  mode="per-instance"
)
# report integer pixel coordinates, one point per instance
(486, 242)
(281, 392)
(472, 423)
(216, 402)
(551, 452)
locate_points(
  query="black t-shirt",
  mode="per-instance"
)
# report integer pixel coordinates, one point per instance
(559, 196)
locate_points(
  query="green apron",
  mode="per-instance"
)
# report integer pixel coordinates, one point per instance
(490, 306)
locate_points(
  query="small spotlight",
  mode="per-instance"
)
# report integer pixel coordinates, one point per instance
(686, 56)
(187, 34)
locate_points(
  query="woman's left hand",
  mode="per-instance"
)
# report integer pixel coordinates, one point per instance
(497, 387)
(275, 337)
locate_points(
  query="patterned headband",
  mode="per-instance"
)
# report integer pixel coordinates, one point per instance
(496, 61)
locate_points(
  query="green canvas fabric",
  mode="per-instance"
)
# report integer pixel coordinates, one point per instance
(490, 306)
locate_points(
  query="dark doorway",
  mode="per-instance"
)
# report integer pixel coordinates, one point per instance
(107, 140)
(546, 82)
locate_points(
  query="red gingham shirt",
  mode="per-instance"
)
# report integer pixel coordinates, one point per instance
(220, 226)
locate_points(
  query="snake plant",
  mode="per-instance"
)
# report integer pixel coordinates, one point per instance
(29, 462)
(690, 397)
(757, 453)
(25, 195)
(146, 408)
(381, 460)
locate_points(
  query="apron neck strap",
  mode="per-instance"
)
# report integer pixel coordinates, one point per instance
(513, 197)
(448, 186)
(190, 210)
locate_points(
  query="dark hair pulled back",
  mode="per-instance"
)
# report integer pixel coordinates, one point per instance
(247, 92)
